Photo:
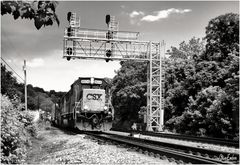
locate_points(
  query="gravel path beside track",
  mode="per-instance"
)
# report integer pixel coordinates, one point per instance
(54, 146)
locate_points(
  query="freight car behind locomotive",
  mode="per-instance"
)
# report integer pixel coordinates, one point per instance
(87, 106)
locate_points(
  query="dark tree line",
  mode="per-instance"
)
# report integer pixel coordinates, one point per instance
(201, 84)
(37, 98)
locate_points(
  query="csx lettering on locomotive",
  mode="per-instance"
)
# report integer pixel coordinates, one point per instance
(94, 96)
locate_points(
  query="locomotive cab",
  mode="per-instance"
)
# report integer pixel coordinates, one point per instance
(87, 106)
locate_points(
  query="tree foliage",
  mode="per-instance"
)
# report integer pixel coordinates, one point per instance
(9, 84)
(207, 115)
(201, 88)
(218, 77)
(17, 126)
(129, 92)
(16, 129)
(188, 50)
(42, 12)
(222, 35)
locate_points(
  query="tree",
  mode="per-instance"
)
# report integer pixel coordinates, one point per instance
(211, 83)
(194, 48)
(43, 12)
(208, 114)
(222, 37)
(46, 105)
(9, 84)
(201, 91)
(129, 92)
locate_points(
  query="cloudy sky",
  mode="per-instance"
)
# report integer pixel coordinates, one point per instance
(156, 21)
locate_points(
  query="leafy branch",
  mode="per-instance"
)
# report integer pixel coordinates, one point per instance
(43, 12)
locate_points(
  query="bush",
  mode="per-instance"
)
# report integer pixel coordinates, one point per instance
(208, 115)
(27, 119)
(16, 130)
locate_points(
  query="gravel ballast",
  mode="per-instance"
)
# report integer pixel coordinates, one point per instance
(54, 146)
(183, 142)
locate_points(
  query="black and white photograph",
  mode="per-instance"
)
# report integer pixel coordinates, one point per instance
(119, 82)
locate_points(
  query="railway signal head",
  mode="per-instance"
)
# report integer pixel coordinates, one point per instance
(108, 19)
(68, 58)
(69, 14)
(109, 35)
(108, 53)
(69, 52)
(69, 31)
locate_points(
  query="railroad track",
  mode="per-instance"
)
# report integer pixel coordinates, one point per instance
(207, 140)
(178, 153)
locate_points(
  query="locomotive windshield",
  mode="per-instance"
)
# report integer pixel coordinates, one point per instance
(86, 86)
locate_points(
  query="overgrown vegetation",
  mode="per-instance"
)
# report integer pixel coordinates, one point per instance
(16, 129)
(17, 126)
(201, 84)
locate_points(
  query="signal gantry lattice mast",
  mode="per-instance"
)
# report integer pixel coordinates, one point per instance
(112, 44)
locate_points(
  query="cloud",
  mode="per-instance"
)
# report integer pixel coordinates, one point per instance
(122, 6)
(164, 14)
(36, 62)
(135, 13)
(135, 16)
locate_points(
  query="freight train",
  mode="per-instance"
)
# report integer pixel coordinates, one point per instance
(86, 106)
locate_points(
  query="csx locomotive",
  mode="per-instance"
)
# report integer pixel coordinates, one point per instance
(87, 106)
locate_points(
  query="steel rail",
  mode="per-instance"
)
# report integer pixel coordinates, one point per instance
(191, 149)
(208, 140)
(167, 150)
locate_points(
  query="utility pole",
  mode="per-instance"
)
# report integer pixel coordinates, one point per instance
(25, 83)
(38, 104)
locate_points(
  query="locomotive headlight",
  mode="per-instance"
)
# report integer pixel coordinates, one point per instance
(105, 109)
(109, 113)
(85, 107)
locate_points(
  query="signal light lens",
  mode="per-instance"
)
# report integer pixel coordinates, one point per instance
(69, 51)
(108, 53)
(107, 19)
(69, 32)
(109, 35)
(69, 14)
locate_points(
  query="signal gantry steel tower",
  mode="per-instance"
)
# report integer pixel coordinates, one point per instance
(112, 44)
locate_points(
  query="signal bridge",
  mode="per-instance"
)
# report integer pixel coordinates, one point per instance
(112, 44)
